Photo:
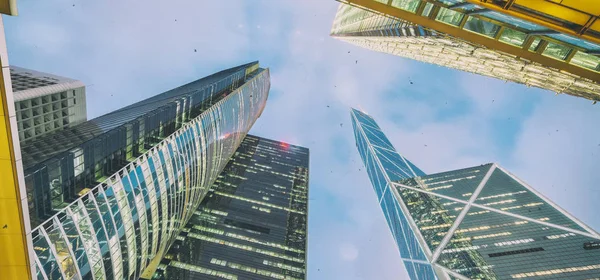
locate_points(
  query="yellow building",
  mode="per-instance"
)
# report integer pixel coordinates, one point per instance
(548, 44)
(15, 230)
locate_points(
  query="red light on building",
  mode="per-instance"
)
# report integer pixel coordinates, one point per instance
(284, 145)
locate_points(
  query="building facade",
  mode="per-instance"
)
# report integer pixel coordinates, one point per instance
(15, 232)
(474, 223)
(63, 165)
(520, 44)
(130, 180)
(45, 102)
(253, 222)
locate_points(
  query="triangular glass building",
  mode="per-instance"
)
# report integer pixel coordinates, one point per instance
(474, 223)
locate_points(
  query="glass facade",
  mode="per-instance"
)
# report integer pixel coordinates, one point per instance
(474, 223)
(469, 37)
(65, 164)
(117, 228)
(253, 222)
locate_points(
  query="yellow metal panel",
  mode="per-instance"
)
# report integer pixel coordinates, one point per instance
(9, 219)
(2, 111)
(562, 12)
(14, 254)
(5, 145)
(588, 6)
(596, 25)
(476, 39)
(7, 180)
(8, 7)
(15, 272)
(14, 251)
(549, 7)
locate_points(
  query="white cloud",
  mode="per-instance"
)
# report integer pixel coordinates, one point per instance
(348, 252)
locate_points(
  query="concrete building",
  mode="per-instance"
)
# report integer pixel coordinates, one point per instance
(45, 102)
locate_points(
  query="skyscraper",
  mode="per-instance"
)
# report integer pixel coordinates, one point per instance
(475, 223)
(45, 102)
(253, 222)
(550, 45)
(112, 193)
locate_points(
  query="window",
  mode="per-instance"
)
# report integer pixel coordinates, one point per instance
(556, 51)
(586, 60)
(512, 37)
(78, 161)
(482, 27)
(407, 5)
(534, 44)
(427, 9)
(449, 16)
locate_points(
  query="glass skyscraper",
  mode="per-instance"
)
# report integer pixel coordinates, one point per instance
(253, 222)
(545, 44)
(475, 223)
(110, 195)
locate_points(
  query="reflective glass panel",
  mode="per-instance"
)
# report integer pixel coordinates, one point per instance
(481, 26)
(512, 37)
(585, 60)
(449, 16)
(556, 51)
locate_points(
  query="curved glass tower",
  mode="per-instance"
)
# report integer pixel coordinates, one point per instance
(167, 151)
(480, 222)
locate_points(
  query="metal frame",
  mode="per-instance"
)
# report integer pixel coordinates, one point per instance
(463, 213)
(93, 199)
(52, 251)
(474, 38)
(58, 224)
(96, 243)
(551, 203)
(498, 211)
(40, 268)
(552, 9)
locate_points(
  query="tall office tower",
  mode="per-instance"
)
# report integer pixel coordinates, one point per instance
(545, 44)
(253, 223)
(480, 222)
(112, 193)
(45, 102)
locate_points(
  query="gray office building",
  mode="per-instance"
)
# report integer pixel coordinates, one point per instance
(45, 103)
(253, 222)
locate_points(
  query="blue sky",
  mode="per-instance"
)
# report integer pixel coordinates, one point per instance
(126, 51)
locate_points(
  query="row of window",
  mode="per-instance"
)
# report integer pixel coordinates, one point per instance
(489, 24)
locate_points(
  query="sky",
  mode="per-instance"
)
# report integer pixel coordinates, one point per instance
(125, 51)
